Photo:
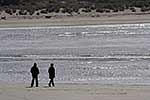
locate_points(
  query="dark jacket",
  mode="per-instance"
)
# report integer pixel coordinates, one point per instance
(51, 72)
(34, 71)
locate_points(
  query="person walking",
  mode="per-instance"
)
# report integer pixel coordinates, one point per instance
(51, 72)
(34, 71)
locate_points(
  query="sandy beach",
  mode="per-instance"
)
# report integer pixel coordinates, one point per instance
(74, 21)
(74, 92)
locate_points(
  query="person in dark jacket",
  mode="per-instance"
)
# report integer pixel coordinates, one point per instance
(34, 71)
(51, 72)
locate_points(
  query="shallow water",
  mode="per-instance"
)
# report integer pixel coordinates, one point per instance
(106, 54)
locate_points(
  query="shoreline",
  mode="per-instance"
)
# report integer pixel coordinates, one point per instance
(76, 21)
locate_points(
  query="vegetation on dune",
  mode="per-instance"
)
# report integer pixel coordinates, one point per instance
(69, 6)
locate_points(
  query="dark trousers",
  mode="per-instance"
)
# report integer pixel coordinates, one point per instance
(36, 79)
(51, 82)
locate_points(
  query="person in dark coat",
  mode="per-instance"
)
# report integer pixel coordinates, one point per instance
(51, 72)
(34, 71)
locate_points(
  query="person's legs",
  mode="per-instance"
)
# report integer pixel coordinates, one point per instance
(53, 82)
(32, 82)
(49, 84)
(36, 81)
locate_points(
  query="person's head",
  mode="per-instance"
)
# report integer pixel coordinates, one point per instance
(35, 65)
(52, 64)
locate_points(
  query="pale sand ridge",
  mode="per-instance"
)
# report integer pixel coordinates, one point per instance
(75, 21)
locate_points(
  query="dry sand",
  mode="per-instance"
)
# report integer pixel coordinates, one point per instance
(74, 92)
(66, 21)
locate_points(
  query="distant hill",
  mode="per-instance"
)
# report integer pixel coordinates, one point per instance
(77, 3)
